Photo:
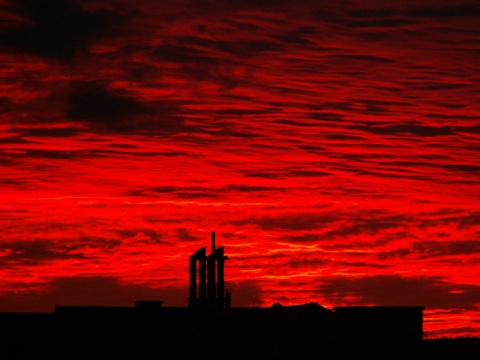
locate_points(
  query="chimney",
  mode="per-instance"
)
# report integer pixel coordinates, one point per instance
(213, 241)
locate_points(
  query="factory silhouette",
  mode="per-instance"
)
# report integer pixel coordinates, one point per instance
(210, 328)
(207, 279)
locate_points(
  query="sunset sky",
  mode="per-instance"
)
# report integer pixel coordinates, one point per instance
(333, 146)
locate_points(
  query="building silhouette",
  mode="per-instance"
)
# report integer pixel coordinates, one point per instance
(210, 328)
(207, 278)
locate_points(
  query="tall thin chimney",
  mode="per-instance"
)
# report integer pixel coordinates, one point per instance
(213, 241)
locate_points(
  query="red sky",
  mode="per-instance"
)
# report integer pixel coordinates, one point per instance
(333, 147)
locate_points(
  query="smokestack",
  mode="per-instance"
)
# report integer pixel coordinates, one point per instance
(195, 298)
(213, 241)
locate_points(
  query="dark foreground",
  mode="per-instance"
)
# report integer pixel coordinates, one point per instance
(304, 333)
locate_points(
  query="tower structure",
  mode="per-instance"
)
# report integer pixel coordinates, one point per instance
(207, 278)
(198, 279)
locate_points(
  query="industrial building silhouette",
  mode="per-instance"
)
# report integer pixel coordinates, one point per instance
(207, 278)
(210, 328)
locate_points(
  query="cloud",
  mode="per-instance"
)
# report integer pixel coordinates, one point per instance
(198, 59)
(461, 10)
(297, 36)
(429, 248)
(183, 192)
(308, 173)
(426, 249)
(469, 221)
(293, 221)
(55, 29)
(34, 253)
(184, 234)
(408, 129)
(465, 167)
(95, 102)
(90, 291)
(247, 48)
(307, 237)
(59, 132)
(381, 23)
(420, 12)
(330, 225)
(304, 263)
(252, 188)
(141, 235)
(106, 109)
(431, 292)
(48, 154)
(288, 173)
(357, 58)
(183, 55)
(6, 104)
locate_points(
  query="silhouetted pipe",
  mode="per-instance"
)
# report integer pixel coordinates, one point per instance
(211, 280)
(213, 241)
(200, 257)
(219, 254)
(203, 277)
(192, 289)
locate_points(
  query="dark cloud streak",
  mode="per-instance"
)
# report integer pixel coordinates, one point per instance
(434, 292)
(55, 29)
(115, 110)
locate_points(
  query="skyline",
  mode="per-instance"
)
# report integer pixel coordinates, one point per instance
(333, 148)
